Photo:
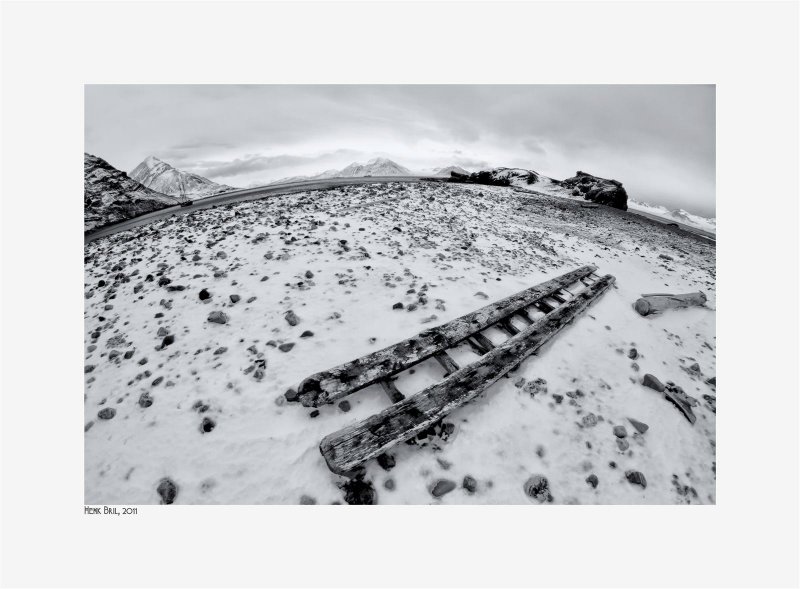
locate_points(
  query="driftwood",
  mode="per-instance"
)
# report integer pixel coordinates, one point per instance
(347, 449)
(656, 303)
(330, 385)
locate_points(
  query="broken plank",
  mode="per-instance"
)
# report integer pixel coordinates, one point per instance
(340, 381)
(348, 448)
(657, 303)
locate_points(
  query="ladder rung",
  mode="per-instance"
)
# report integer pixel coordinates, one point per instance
(483, 341)
(395, 396)
(447, 363)
(508, 327)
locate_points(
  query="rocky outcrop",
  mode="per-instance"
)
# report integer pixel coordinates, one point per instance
(498, 177)
(110, 195)
(599, 190)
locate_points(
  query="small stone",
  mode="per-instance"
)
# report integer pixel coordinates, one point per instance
(314, 413)
(204, 295)
(291, 318)
(128, 355)
(286, 347)
(620, 431)
(397, 306)
(589, 420)
(386, 461)
(208, 425)
(636, 478)
(145, 400)
(469, 484)
(217, 317)
(359, 492)
(638, 425)
(519, 383)
(623, 445)
(481, 294)
(344, 406)
(169, 340)
(235, 298)
(292, 395)
(442, 487)
(88, 368)
(537, 488)
(157, 381)
(388, 484)
(88, 426)
(306, 500)
(558, 398)
(633, 353)
(307, 333)
(309, 274)
(107, 413)
(712, 381)
(651, 381)
(167, 490)
(220, 350)
(592, 480)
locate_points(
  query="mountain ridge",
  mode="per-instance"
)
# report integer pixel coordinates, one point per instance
(162, 177)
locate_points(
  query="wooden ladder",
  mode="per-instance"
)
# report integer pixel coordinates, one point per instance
(544, 309)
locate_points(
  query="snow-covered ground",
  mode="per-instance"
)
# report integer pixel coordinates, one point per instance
(340, 259)
(680, 215)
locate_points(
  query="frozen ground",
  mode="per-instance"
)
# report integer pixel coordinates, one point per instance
(340, 259)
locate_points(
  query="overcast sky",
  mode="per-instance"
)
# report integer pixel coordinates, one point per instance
(659, 141)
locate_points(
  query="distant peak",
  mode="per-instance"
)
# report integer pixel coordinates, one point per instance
(380, 160)
(151, 161)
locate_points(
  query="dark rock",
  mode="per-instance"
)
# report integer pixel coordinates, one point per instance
(599, 190)
(307, 333)
(169, 340)
(359, 492)
(200, 407)
(593, 480)
(314, 413)
(636, 478)
(217, 317)
(306, 500)
(291, 318)
(286, 347)
(537, 488)
(638, 425)
(88, 426)
(388, 484)
(88, 368)
(589, 420)
(386, 461)
(651, 381)
(128, 355)
(167, 490)
(145, 400)
(157, 381)
(162, 331)
(309, 274)
(712, 381)
(469, 484)
(558, 398)
(442, 487)
(620, 431)
(208, 425)
(344, 406)
(204, 295)
(397, 306)
(235, 298)
(633, 353)
(623, 445)
(107, 413)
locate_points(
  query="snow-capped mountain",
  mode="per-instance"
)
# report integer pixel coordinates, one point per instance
(110, 195)
(445, 171)
(380, 166)
(679, 215)
(160, 176)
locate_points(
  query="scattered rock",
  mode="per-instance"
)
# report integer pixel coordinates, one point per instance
(537, 488)
(292, 395)
(217, 317)
(620, 431)
(204, 295)
(589, 420)
(651, 381)
(397, 306)
(88, 426)
(636, 478)
(388, 484)
(344, 406)
(442, 487)
(208, 425)
(235, 298)
(359, 492)
(286, 347)
(386, 461)
(306, 500)
(638, 425)
(314, 413)
(633, 353)
(623, 445)
(107, 413)
(291, 318)
(145, 400)
(167, 490)
(469, 484)
(593, 480)
(307, 333)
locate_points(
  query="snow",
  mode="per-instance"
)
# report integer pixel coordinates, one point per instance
(162, 177)
(467, 239)
(680, 215)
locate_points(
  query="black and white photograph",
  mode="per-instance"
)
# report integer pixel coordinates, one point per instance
(400, 293)
(374, 294)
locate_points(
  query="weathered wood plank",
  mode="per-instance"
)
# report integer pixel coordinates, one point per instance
(350, 447)
(545, 307)
(483, 341)
(477, 347)
(656, 303)
(395, 396)
(508, 327)
(330, 385)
